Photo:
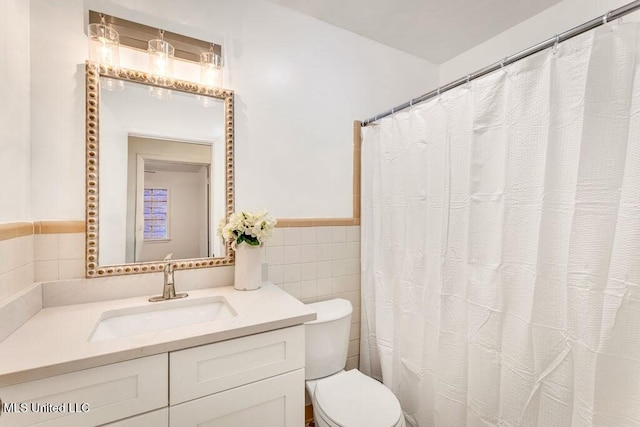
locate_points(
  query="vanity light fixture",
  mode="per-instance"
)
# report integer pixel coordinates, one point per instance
(104, 44)
(160, 54)
(161, 60)
(210, 74)
(108, 32)
(104, 48)
(211, 68)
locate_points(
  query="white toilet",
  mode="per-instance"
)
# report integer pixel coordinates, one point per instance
(342, 398)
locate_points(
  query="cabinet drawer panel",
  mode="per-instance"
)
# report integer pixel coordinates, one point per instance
(89, 397)
(159, 418)
(274, 402)
(208, 369)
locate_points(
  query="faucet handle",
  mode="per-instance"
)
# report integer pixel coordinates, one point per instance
(168, 291)
(168, 267)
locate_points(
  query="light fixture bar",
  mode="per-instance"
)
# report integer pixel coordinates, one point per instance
(137, 36)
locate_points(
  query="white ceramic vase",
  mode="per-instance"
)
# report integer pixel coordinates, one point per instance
(248, 270)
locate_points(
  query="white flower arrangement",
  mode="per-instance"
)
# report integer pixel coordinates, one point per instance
(252, 228)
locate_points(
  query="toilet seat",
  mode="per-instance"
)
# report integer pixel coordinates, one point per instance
(352, 399)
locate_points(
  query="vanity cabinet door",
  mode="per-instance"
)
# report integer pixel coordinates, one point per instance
(208, 369)
(90, 397)
(274, 402)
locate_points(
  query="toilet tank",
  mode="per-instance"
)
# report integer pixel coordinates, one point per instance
(327, 338)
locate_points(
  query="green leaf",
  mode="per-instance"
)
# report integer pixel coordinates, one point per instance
(248, 239)
(253, 241)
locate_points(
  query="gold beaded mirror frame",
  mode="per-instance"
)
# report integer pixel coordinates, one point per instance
(94, 72)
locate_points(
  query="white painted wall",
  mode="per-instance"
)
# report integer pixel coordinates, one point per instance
(299, 84)
(15, 150)
(16, 255)
(555, 20)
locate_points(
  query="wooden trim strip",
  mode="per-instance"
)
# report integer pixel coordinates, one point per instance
(24, 229)
(357, 143)
(13, 230)
(316, 222)
(56, 227)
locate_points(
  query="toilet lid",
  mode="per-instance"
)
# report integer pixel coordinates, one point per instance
(355, 400)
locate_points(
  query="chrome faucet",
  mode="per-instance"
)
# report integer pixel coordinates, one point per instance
(169, 289)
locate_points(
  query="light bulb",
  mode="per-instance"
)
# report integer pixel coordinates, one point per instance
(104, 43)
(161, 62)
(105, 52)
(210, 69)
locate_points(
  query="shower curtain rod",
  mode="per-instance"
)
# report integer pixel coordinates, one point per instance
(583, 28)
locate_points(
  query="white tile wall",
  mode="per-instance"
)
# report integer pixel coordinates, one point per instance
(316, 264)
(311, 263)
(16, 265)
(39, 257)
(22, 305)
(58, 256)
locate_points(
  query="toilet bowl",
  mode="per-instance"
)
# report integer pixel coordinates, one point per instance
(342, 398)
(352, 399)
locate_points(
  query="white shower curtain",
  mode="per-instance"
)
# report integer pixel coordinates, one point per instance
(501, 244)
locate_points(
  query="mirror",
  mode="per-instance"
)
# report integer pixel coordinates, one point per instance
(159, 172)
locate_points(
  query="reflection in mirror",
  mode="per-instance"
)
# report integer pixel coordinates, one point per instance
(162, 174)
(168, 185)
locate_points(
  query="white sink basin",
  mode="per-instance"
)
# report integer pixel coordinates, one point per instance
(159, 316)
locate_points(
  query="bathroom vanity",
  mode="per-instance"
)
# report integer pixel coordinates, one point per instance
(229, 371)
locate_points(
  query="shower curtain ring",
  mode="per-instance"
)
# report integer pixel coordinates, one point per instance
(556, 43)
(605, 18)
(503, 61)
(468, 79)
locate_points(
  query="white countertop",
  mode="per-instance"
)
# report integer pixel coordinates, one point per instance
(56, 340)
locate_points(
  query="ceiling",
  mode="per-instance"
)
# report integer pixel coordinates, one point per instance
(436, 30)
